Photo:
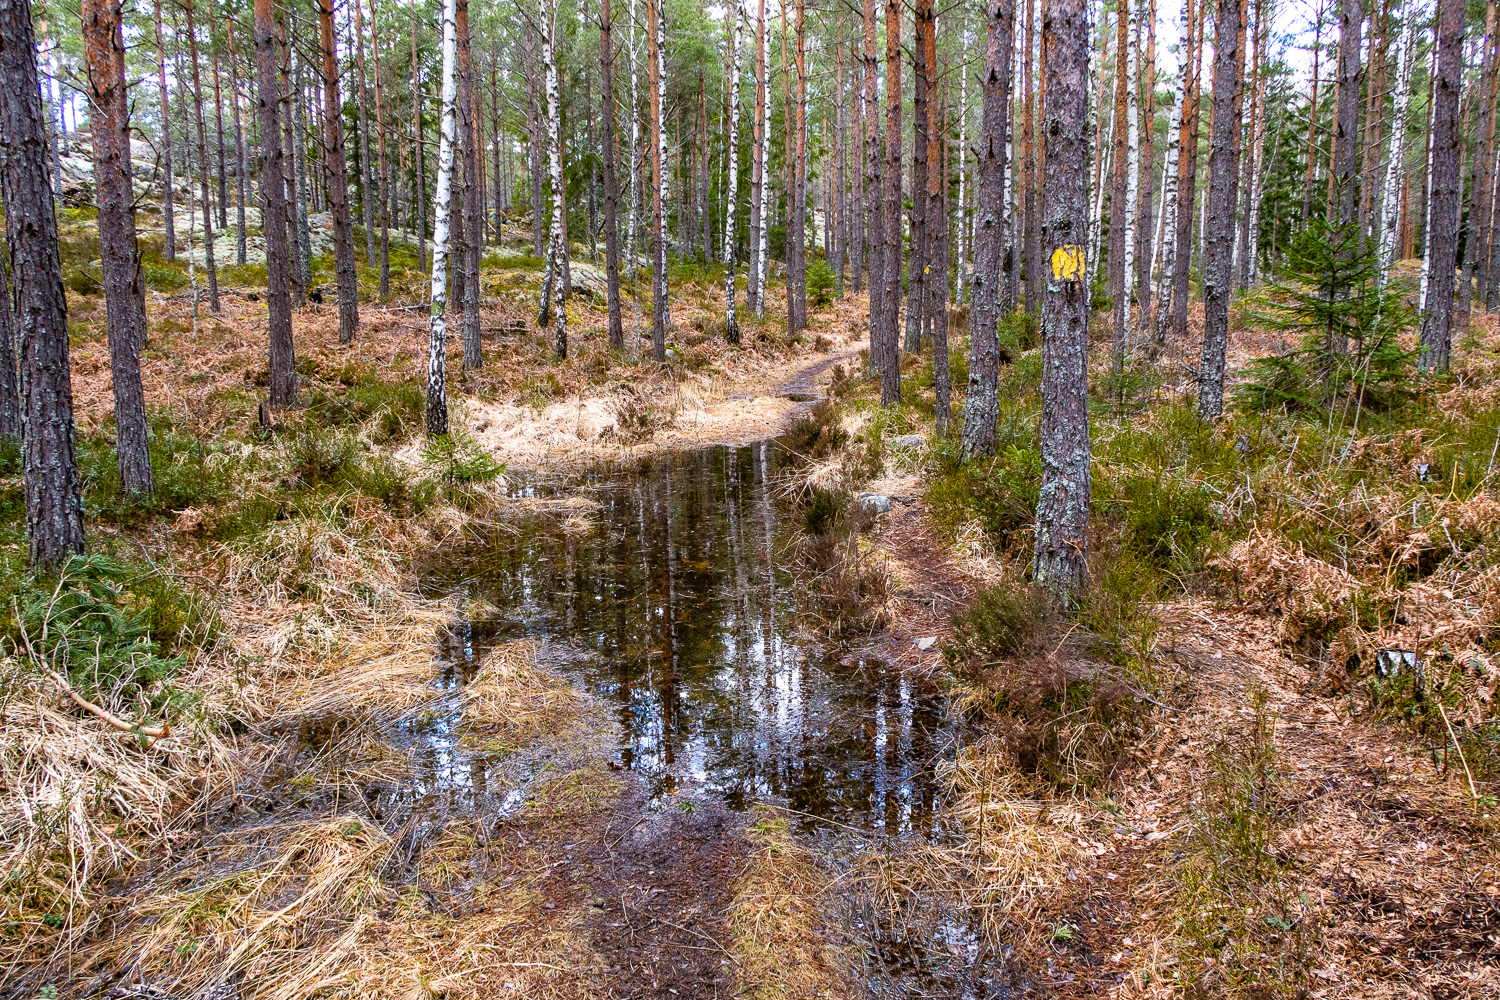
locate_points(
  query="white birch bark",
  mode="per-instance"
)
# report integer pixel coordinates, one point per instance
(660, 97)
(1257, 180)
(763, 256)
(1427, 216)
(557, 246)
(1164, 252)
(1397, 153)
(437, 339)
(1132, 162)
(635, 159)
(963, 151)
(731, 323)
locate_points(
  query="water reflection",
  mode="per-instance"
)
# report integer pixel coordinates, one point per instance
(676, 607)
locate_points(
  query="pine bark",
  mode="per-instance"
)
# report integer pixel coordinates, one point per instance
(10, 384)
(1312, 118)
(437, 329)
(657, 75)
(168, 223)
(873, 216)
(241, 146)
(273, 213)
(206, 175)
(1222, 182)
(884, 343)
(384, 178)
(1476, 253)
(918, 269)
(982, 405)
(937, 238)
(1145, 218)
(1062, 514)
(798, 305)
(1346, 129)
(1187, 179)
(1118, 203)
(1443, 207)
(1036, 267)
(336, 178)
(220, 164)
(611, 184)
(368, 191)
(124, 293)
(471, 223)
(54, 504)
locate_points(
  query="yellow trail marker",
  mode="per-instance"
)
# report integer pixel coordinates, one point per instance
(1067, 262)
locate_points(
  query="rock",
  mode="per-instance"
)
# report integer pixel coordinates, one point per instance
(875, 503)
(907, 441)
(926, 643)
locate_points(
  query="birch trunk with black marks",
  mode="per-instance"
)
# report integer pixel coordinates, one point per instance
(1396, 155)
(611, 183)
(1187, 177)
(1062, 513)
(555, 286)
(732, 151)
(437, 330)
(753, 291)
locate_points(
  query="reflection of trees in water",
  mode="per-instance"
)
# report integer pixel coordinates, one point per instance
(675, 608)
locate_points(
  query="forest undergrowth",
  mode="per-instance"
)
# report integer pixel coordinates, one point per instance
(1211, 775)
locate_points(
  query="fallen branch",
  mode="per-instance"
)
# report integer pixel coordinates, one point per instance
(156, 733)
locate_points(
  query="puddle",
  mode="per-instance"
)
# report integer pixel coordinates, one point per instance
(675, 607)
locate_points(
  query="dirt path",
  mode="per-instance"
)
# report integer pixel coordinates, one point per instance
(623, 421)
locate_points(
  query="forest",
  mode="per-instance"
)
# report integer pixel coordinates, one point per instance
(655, 498)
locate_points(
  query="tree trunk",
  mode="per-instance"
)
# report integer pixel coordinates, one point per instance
(799, 215)
(203, 165)
(874, 221)
(1145, 216)
(241, 147)
(124, 296)
(1396, 155)
(1062, 513)
(837, 203)
(1374, 106)
(960, 254)
(732, 150)
(273, 214)
(420, 155)
(1479, 175)
(1036, 267)
(637, 164)
(166, 133)
(368, 195)
(1187, 179)
(981, 406)
(221, 167)
(336, 176)
(884, 339)
(758, 200)
(1219, 238)
(471, 222)
(789, 128)
(1346, 130)
(384, 178)
(937, 236)
(10, 385)
(1118, 200)
(54, 504)
(1443, 210)
(918, 270)
(437, 332)
(611, 185)
(1312, 118)
(656, 40)
(1165, 250)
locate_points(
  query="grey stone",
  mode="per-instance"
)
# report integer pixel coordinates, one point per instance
(907, 441)
(875, 503)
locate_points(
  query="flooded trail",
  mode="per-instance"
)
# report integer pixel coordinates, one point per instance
(675, 603)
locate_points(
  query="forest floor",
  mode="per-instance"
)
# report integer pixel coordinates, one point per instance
(1185, 790)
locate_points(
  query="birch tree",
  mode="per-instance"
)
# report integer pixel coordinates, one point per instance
(1396, 155)
(731, 322)
(437, 330)
(656, 41)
